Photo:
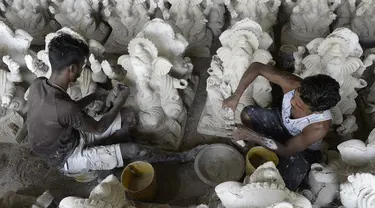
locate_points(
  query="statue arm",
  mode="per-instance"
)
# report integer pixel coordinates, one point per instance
(361, 10)
(142, 9)
(334, 4)
(275, 6)
(198, 13)
(230, 7)
(153, 6)
(108, 8)
(3, 6)
(287, 81)
(165, 11)
(209, 5)
(10, 91)
(352, 7)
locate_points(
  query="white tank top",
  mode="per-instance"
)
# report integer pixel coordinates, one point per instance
(295, 126)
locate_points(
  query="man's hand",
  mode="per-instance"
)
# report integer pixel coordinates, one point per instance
(122, 94)
(241, 132)
(231, 102)
(101, 94)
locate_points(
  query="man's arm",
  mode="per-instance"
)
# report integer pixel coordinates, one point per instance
(299, 143)
(83, 102)
(99, 94)
(83, 122)
(287, 81)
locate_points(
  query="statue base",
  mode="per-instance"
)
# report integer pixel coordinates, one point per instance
(216, 129)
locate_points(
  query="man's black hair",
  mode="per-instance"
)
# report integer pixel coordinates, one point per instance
(64, 50)
(320, 92)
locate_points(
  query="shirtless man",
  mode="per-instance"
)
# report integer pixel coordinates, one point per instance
(65, 136)
(294, 131)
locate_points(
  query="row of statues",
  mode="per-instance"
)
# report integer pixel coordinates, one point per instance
(163, 85)
(114, 23)
(308, 20)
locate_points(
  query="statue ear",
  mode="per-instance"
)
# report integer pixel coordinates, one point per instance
(123, 60)
(161, 66)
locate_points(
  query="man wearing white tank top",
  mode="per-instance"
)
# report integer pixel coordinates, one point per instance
(295, 129)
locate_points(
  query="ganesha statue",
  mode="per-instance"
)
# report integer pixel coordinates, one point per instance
(309, 19)
(126, 19)
(334, 178)
(358, 191)
(13, 105)
(345, 11)
(82, 17)
(155, 95)
(14, 42)
(11, 95)
(324, 183)
(190, 18)
(108, 194)
(363, 20)
(358, 153)
(264, 188)
(263, 12)
(172, 45)
(338, 56)
(214, 10)
(30, 15)
(242, 44)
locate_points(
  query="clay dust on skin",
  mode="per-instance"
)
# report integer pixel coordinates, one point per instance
(230, 124)
(269, 143)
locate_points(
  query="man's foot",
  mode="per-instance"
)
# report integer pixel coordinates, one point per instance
(127, 118)
(191, 154)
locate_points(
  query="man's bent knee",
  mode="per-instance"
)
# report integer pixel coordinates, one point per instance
(132, 150)
(245, 118)
(93, 159)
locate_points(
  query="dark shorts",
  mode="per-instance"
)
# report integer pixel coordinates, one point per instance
(268, 122)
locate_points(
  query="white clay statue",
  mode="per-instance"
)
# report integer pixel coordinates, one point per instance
(242, 44)
(265, 188)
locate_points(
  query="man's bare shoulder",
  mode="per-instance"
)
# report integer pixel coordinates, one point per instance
(317, 130)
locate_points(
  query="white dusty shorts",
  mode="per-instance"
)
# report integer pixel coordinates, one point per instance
(98, 157)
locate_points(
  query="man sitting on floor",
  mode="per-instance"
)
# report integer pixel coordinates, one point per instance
(61, 132)
(294, 130)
